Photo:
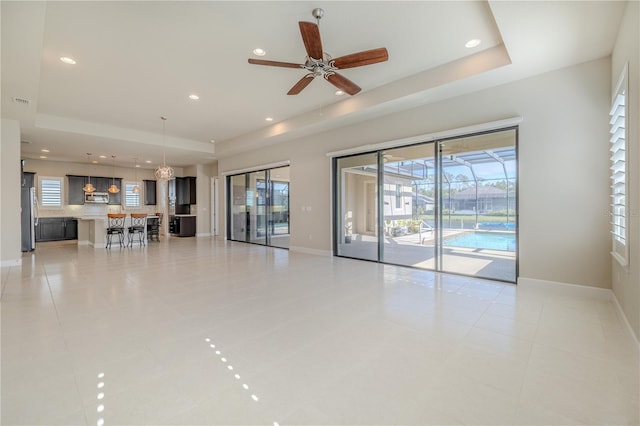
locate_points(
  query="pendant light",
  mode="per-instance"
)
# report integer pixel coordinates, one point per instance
(164, 172)
(113, 189)
(88, 187)
(136, 188)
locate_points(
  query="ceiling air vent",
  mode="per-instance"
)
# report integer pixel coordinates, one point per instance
(21, 101)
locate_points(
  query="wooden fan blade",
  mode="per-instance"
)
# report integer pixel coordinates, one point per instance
(274, 63)
(301, 84)
(311, 39)
(343, 83)
(359, 59)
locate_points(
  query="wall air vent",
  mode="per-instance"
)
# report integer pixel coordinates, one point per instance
(21, 101)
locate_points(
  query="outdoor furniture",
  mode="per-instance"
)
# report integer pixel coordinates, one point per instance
(424, 228)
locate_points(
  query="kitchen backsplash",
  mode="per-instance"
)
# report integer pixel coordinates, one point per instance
(92, 210)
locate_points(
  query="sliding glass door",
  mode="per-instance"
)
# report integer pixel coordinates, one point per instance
(258, 207)
(448, 205)
(237, 207)
(357, 207)
(408, 205)
(278, 228)
(478, 205)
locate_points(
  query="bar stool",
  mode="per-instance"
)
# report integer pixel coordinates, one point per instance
(115, 226)
(153, 228)
(138, 227)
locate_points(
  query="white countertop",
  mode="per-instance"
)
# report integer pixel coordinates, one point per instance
(103, 217)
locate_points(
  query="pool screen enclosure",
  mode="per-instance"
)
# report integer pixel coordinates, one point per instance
(448, 205)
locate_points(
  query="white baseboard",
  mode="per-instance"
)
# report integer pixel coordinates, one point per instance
(203, 234)
(310, 251)
(624, 319)
(536, 283)
(606, 293)
(12, 262)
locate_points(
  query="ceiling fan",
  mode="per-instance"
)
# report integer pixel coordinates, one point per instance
(319, 63)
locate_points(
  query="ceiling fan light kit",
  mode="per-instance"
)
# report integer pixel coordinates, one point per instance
(320, 64)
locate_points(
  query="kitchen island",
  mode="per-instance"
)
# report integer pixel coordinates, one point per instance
(92, 231)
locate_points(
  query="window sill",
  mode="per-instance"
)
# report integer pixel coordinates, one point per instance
(621, 260)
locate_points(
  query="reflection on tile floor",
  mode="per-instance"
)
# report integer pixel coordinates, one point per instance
(201, 332)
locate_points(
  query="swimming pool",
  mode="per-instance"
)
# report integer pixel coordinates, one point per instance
(488, 240)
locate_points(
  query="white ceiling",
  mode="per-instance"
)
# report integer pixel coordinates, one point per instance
(137, 61)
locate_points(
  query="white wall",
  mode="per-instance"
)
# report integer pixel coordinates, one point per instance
(10, 245)
(563, 167)
(626, 282)
(203, 193)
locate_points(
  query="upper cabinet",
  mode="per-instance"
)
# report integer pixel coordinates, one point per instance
(102, 184)
(150, 192)
(186, 190)
(76, 194)
(117, 197)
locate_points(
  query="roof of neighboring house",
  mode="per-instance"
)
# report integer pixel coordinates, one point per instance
(482, 192)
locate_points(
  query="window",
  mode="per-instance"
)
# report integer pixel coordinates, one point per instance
(398, 196)
(51, 192)
(132, 194)
(618, 148)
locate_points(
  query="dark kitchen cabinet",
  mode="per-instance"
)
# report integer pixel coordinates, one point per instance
(102, 184)
(183, 226)
(150, 192)
(56, 229)
(186, 190)
(117, 197)
(70, 228)
(76, 194)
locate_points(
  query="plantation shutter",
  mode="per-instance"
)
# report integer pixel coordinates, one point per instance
(618, 173)
(51, 192)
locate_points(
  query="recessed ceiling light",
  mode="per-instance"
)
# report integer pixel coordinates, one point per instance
(269, 119)
(43, 156)
(194, 97)
(472, 43)
(44, 150)
(95, 161)
(339, 93)
(137, 165)
(148, 161)
(68, 60)
(103, 156)
(212, 141)
(259, 52)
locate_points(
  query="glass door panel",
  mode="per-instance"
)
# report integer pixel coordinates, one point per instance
(278, 220)
(478, 205)
(257, 207)
(237, 218)
(408, 206)
(357, 206)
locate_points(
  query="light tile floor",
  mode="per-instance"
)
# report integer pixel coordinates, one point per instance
(199, 331)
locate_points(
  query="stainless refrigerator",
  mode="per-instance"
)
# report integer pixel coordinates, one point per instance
(29, 212)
